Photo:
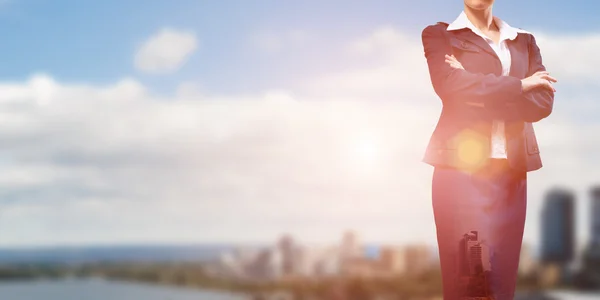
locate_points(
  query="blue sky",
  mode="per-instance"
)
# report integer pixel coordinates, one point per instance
(260, 117)
(93, 41)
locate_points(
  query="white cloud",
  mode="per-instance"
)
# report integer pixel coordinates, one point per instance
(116, 163)
(564, 55)
(189, 169)
(166, 51)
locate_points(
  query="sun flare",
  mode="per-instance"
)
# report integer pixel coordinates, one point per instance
(366, 152)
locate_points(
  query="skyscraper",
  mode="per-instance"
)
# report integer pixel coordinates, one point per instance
(591, 257)
(558, 227)
(595, 217)
(474, 267)
(350, 247)
(287, 249)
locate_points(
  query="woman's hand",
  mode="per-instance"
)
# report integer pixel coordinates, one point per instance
(539, 79)
(453, 62)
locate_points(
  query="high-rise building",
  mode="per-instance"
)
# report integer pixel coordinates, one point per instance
(287, 249)
(591, 257)
(328, 263)
(473, 254)
(558, 227)
(304, 261)
(595, 217)
(474, 266)
(350, 247)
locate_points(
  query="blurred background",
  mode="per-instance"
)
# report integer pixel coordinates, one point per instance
(263, 149)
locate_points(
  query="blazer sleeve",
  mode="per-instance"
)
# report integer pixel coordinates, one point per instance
(536, 104)
(458, 85)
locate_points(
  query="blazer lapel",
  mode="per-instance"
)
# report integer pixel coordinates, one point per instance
(519, 60)
(469, 36)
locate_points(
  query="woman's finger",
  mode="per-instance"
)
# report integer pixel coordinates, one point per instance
(553, 89)
(549, 78)
(454, 63)
(451, 57)
(450, 62)
(549, 86)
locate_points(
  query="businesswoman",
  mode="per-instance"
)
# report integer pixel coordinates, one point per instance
(493, 86)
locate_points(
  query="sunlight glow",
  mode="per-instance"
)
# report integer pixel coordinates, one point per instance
(366, 152)
(472, 149)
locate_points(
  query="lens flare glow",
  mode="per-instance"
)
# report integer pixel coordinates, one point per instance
(366, 153)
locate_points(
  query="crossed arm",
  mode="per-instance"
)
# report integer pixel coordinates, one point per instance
(528, 100)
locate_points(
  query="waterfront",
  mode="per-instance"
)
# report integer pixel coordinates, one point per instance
(573, 295)
(101, 290)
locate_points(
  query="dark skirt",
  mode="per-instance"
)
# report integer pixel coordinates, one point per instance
(480, 217)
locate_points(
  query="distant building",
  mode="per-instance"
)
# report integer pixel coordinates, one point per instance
(558, 227)
(526, 261)
(229, 266)
(471, 253)
(550, 275)
(590, 264)
(362, 267)
(287, 250)
(266, 266)
(246, 255)
(314, 261)
(350, 247)
(474, 266)
(330, 263)
(595, 217)
(303, 261)
(417, 259)
(371, 251)
(393, 259)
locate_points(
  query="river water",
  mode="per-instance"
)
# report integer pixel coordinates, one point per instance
(103, 290)
(108, 290)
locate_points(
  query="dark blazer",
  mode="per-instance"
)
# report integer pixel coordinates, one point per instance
(475, 96)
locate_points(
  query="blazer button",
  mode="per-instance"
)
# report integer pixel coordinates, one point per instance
(463, 44)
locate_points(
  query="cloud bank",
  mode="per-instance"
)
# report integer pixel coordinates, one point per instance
(117, 163)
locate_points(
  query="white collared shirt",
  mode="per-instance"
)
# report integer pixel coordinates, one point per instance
(498, 138)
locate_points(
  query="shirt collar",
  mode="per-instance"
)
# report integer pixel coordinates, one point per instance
(506, 31)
